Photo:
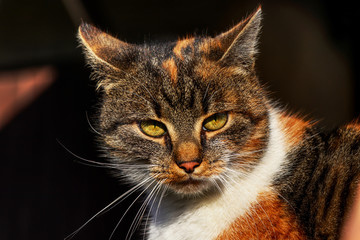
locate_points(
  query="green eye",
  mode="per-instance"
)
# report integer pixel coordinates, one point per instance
(153, 128)
(215, 122)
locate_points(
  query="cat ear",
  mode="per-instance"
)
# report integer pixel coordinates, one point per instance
(108, 56)
(101, 47)
(239, 44)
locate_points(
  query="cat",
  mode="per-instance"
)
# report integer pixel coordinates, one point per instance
(189, 123)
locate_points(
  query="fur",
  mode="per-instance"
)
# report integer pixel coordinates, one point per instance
(263, 174)
(181, 218)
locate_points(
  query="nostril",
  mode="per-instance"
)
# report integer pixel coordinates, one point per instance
(189, 166)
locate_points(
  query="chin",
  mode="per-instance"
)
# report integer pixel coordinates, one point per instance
(191, 187)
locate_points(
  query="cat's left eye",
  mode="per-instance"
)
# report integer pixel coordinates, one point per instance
(153, 128)
(215, 122)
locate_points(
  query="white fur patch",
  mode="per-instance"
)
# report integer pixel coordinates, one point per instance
(191, 219)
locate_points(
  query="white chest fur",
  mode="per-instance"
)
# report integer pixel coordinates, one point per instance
(206, 219)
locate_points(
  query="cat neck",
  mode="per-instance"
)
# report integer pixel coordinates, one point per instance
(208, 216)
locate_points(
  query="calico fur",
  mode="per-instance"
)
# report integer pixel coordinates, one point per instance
(265, 175)
(209, 218)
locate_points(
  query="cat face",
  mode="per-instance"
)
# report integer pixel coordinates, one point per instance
(187, 114)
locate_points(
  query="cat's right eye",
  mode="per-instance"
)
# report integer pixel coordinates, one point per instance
(152, 128)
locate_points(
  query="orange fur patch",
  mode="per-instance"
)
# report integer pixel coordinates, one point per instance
(294, 129)
(354, 125)
(205, 47)
(208, 45)
(170, 66)
(205, 69)
(182, 44)
(208, 68)
(268, 219)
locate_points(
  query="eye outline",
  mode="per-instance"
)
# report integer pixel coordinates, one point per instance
(210, 130)
(163, 126)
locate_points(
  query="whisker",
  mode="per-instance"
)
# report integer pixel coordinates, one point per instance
(129, 192)
(139, 215)
(216, 185)
(109, 207)
(124, 166)
(158, 205)
(118, 223)
(92, 128)
(223, 180)
(88, 162)
(152, 205)
(235, 172)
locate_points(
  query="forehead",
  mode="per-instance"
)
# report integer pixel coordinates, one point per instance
(177, 81)
(185, 79)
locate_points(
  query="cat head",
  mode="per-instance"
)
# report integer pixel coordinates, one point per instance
(184, 114)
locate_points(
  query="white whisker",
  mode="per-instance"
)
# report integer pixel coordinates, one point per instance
(216, 185)
(223, 179)
(117, 225)
(159, 185)
(92, 128)
(158, 205)
(88, 162)
(139, 215)
(109, 207)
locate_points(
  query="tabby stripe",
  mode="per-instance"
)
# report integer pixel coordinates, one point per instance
(167, 98)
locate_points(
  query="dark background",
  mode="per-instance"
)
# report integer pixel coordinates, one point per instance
(308, 61)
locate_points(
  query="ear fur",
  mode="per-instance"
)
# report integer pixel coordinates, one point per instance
(108, 56)
(239, 44)
(100, 46)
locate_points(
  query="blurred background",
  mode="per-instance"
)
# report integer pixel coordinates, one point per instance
(307, 61)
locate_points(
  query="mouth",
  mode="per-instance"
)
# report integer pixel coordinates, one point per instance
(190, 186)
(189, 181)
(199, 182)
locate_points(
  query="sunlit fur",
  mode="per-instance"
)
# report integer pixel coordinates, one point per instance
(255, 176)
(208, 218)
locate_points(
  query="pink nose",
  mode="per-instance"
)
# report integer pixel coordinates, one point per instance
(189, 166)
